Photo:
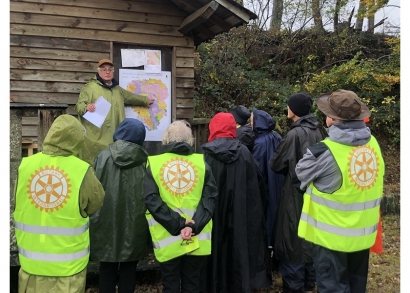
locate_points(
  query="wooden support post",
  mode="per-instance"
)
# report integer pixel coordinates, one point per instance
(46, 117)
(15, 159)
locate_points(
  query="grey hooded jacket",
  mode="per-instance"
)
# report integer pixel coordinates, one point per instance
(318, 164)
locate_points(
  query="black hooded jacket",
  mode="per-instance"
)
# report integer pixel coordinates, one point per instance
(246, 136)
(239, 259)
(288, 247)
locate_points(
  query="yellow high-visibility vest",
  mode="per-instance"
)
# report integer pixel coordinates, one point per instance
(52, 236)
(180, 180)
(347, 219)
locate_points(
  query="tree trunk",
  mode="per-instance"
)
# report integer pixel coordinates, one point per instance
(277, 13)
(359, 20)
(240, 2)
(336, 17)
(371, 24)
(317, 16)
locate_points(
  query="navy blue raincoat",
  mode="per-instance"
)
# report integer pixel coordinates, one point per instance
(266, 141)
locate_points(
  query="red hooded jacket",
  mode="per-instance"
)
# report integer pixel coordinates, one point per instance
(222, 125)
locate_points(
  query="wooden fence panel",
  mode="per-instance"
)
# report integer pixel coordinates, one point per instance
(32, 97)
(25, 52)
(104, 14)
(185, 62)
(23, 74)
(131, 6)
(59, 43)
(48, 64)
(95, 24)
(187, 93)
(135, 38)
(41, 86)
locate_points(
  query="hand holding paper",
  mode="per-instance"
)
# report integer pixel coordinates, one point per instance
(102, 107)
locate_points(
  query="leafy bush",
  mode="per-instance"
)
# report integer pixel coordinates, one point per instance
(375, 81)
(261, 70)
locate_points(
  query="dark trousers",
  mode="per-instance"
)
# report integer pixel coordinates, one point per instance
(182, 271)
(297, 278)
(344, 272)
(126, 272)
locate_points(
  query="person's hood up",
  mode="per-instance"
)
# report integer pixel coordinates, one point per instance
(131, 130)
(65, 137)
(223, 149)
(180, 148)
(246, 136)
(222, 125)
(353, 133)
(309, 121)
(262, 122)
(127, 154)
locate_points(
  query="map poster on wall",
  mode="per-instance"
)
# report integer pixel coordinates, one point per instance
(158, 86)
(153, 61)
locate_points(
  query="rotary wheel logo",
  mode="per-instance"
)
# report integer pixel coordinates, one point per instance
(49, 188)
(179, 176)
(363, 167)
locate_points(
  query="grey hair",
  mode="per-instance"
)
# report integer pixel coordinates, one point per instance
(178, 131)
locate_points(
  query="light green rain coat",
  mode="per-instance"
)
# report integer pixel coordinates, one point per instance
(96, 138)
(66, 137)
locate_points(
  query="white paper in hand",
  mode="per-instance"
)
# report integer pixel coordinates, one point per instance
(102, 107)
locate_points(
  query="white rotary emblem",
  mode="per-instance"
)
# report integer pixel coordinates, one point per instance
(179, 176)
(363, 167)
(49, 188)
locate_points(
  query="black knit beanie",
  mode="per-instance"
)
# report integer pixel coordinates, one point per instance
(300, 104)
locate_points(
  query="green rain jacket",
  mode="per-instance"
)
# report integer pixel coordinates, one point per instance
(96, 138)
(119, 231)
(66, 137)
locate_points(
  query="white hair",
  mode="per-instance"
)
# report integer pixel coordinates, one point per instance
(178, 131)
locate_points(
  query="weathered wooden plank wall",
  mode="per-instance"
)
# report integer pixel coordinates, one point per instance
(55, 45)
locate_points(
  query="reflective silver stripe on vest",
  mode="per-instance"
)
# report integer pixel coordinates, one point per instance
(152, 222)
(167, 241)
(345, 207)
(62, 231)
(189, 213)
(204, 236)
(354, 232)
(54, 256)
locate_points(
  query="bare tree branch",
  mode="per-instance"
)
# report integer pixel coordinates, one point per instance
(377, 24)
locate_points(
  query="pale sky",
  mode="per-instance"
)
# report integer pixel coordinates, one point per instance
(391, 11)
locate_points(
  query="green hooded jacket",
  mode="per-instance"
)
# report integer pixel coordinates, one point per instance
(65, 138)
(119, 231)
(96, 138)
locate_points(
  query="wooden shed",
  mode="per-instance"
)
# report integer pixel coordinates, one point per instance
(56, 44)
